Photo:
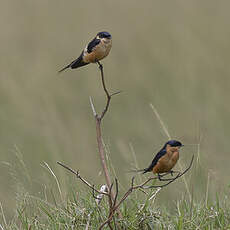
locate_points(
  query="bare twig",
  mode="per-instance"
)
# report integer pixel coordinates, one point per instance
(108, 95)
(77, 174)
(98, 119)
(102, 152)
(106, 92)
(116, 193)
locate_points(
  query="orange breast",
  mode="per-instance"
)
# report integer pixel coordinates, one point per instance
(98, 53)
(167, 162)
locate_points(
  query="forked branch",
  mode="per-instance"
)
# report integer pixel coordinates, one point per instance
(108, 95)
(77, 174)
(98, 119)
(113, 203)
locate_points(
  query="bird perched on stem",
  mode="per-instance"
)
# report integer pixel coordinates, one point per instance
(96, 50)
(165, 159)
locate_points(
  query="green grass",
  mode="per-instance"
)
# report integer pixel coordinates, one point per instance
(57, 207)
(79, 210)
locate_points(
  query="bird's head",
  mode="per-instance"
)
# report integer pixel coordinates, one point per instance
(105, 35)
(174, 143)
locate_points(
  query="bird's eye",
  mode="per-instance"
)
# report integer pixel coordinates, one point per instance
(104, 35)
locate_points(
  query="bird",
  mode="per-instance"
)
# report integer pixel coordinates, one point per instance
(165, 159)
(95, 51)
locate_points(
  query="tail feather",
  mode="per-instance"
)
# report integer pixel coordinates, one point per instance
(66, 67)
(78, 62)
(75, 64)
(138, 171)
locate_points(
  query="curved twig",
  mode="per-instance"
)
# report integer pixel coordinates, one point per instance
(106, 92)
(77, 174)
(172, 179)
(116, 193)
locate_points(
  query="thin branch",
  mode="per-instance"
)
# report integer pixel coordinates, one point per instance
(106, 91)
(77, 174)
(111, 196)
(116, 193)
(110, 226)
(96, 197)
(98, 119)
(102, 153)
(115, 93)
(108, 95)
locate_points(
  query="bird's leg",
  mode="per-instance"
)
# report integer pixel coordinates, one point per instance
(159, 176)
(165, 174)
(172, 172)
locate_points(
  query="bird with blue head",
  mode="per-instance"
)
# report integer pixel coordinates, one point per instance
(95, 51)
(165, 159)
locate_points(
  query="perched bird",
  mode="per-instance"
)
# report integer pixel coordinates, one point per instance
(165, 159)
(96, 50)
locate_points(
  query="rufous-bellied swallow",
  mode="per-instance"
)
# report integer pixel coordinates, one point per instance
(96, 50)
(165, 159)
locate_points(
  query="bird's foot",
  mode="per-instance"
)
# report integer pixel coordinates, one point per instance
(174, 172)
(159, 177)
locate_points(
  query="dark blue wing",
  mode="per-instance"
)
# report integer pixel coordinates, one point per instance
(75, 64)
(160, 154)
(78, 62)
(92, 44)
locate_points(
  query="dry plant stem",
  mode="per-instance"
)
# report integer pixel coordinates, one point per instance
(82, 179)
(106, 92)
(98, 119)
(102, 152)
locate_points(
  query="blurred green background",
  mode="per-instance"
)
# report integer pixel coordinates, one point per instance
(173, 54)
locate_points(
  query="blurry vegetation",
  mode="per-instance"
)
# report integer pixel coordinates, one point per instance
(173, 54)
(77, 209)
